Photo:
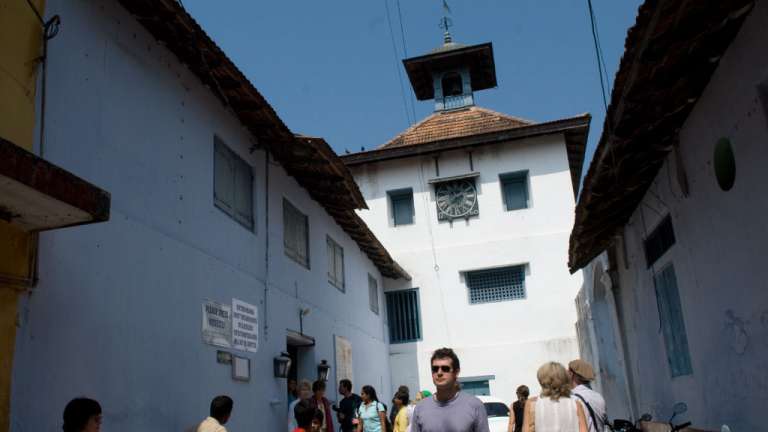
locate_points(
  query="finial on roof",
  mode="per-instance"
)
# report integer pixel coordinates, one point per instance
(446, 23)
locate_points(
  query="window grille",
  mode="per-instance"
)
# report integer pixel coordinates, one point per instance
(514, 187)
(335, 264)
(402, 206)
(232, 184)
(659, 241)
(404, 316)
(495, 285)
(672, 323)
(295, 234)
(373, 294)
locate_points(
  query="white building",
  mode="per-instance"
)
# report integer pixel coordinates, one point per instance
(670, 227)
(213, 200)
(477, 207)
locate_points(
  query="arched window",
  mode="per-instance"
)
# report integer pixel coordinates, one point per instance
(451, 83)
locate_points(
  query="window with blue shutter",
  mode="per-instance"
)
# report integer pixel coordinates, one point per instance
(514, 188)
(373, 294)
(295, 234)
(402, 206)
(232, 184)
(495, 285)
(404, 315)
(335, 264)
(672, 323)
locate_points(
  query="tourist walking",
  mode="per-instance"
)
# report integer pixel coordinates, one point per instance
(221, 410)
(517, 410)
(82, 415)
(304, 392)
(318, 421)
(320, 402)
(372, 415)
(400, 407)
(303, 413)
(554, 410)
(393, 411)
(450, 409)
(347, 406)
(581, 374)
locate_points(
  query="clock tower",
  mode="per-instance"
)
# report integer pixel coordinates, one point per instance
(451, 73)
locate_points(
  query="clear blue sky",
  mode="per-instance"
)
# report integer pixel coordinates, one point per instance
(329, 68)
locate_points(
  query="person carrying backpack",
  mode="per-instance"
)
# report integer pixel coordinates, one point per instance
(371, 414)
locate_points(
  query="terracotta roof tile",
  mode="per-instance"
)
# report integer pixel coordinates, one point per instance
(454, 124)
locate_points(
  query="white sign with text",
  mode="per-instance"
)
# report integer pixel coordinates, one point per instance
(217, 324)
(245, 326)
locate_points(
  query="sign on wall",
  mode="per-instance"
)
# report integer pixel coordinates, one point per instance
(217, 324)
(343, 358)
(245, 326)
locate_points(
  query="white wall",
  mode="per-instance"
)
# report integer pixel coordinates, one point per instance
(507, 339)
(116, 315)
(718, 257)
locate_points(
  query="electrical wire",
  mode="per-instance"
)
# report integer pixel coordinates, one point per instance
(397, 68)
(601, 69)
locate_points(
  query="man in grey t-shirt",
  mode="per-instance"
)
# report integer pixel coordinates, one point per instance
(449, 410)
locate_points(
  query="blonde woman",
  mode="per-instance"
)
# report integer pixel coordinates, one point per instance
(304, 393)
(554, 410)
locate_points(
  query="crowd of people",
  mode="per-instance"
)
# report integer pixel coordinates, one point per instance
(566, 403)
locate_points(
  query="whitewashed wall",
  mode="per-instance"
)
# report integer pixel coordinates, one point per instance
(508, 340)
(116, 315)
(719, 255)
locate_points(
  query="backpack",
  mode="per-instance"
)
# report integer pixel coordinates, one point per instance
(387, 426)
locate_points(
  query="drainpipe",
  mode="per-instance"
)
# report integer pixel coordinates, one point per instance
(266, 242)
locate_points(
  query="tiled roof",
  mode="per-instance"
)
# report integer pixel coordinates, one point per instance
(313, 164)
(455, 124)
(670, 56)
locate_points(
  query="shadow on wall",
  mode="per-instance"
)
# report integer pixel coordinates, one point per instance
(405, 369)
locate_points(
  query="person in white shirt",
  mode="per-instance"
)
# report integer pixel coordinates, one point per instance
(594, 405)
(221, 410)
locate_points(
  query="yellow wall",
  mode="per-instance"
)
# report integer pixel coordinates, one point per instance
(20, 48)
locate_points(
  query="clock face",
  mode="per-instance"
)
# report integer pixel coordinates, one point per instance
(456, 199)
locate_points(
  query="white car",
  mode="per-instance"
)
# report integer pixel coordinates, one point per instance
(498, 413)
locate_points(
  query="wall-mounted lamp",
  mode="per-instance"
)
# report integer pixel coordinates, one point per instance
(282, 365)
(322, 370)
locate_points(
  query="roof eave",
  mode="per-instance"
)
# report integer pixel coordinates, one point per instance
(578, 126)
(641, 127)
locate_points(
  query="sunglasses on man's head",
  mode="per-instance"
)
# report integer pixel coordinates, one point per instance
(443, 368)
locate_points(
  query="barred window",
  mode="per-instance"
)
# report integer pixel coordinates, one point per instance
(495, 285)
(373, 294)
(295, 234)
(335, 264)
(404, 315)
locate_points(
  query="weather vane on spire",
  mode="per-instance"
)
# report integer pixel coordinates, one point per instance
(446, 23)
